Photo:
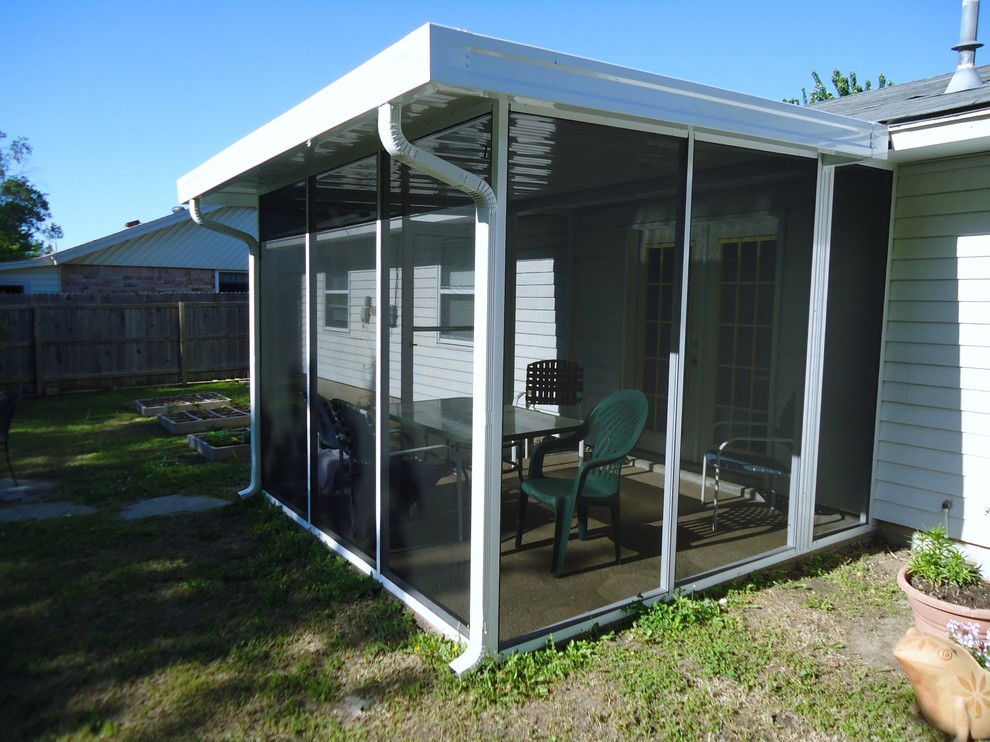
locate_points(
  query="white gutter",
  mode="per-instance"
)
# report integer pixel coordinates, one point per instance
(947, 136)
(487, 384)
(253, 251)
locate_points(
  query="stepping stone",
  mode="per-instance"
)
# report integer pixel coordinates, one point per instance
(169, 505)
(43, 510)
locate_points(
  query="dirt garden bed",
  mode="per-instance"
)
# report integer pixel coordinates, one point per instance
(154, 406)
(221, 445)
(197, 421)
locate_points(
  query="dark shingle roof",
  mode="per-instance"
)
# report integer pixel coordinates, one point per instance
(911, 101)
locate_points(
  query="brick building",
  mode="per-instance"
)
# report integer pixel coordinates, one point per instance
(165, 255)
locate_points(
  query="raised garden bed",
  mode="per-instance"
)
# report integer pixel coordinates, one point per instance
(154, 406)
(221, 445)
(198, 421)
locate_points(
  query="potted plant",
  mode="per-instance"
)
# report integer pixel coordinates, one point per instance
(942, 586)
(945, 653)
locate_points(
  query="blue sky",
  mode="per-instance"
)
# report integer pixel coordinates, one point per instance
(119, 99)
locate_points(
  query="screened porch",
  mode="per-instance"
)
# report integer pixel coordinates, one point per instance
(736, 281)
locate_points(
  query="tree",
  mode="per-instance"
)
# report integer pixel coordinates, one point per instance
(25, 219)
(844, 85)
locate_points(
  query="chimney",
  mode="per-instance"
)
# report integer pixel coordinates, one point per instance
(966, 76)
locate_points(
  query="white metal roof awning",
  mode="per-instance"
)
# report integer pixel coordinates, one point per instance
(435, 69)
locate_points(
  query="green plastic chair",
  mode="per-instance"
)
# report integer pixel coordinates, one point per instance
(614, 425)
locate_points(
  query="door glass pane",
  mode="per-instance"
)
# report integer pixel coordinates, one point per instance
(283, 316)
(344, 269)
(748, 287)
(661, 293)
(857, 270)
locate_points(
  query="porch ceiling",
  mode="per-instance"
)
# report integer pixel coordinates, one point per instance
(440, 74)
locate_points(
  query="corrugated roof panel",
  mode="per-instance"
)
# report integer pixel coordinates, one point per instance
(179, 244)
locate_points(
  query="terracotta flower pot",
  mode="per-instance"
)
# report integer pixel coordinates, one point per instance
(931, 614)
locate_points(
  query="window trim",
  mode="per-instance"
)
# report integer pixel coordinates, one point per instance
(346, 293)
(446, 336)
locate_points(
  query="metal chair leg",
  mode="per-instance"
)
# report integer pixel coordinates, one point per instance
(520, 517)
(715, 500)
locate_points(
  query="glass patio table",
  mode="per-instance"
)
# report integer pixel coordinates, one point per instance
(450, 419)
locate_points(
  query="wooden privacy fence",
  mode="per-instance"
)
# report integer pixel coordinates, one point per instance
(64, 342)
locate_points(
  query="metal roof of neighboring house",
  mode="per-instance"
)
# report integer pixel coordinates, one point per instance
(437, 73)
(911, 101)
(173, 241)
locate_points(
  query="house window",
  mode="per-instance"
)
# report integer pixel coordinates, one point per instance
(11, 289)
(335, 315)
(232, 282)
(658, 300)
(457, 292)
(746, 325)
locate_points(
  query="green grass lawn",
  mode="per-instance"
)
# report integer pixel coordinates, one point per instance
(102, 453)
(235, 624)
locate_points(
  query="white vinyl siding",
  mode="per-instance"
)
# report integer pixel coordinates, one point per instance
(42, 280)
(599, 337)
(540, 312)
(347, 357)
(934, 432)
(441, 367)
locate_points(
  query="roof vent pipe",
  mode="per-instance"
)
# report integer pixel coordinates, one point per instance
(966, 77)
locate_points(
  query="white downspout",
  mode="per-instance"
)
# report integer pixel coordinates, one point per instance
(487, 420)
(253, 250)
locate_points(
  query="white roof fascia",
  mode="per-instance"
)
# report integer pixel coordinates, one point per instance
(434, 57)
(941, 137)
(397, 70)
(551, 79)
